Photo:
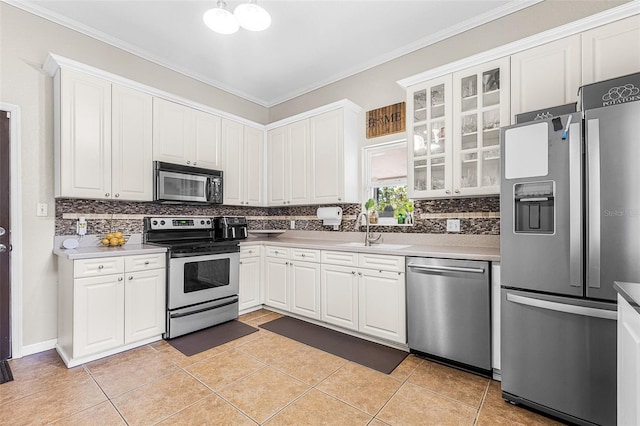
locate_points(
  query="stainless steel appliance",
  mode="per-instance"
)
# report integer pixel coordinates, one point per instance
(448, 311)
(231, 228)
(202, 273)
(175, 183)
(570, 221)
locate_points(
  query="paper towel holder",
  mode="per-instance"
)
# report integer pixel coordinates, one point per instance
(330, 216)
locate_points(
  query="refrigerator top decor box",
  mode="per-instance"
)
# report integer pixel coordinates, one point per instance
(611, 92)
(542, 114)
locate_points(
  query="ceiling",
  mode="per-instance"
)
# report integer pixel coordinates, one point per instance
(310, 43)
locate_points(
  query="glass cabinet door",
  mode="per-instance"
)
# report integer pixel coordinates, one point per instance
(480, 107)
(430, 147)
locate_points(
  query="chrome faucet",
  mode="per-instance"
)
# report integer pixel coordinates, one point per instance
(368, 237)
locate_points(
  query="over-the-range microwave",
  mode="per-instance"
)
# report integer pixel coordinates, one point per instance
(174, 183)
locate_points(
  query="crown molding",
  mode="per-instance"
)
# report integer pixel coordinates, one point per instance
(624, 11)
(343, 103)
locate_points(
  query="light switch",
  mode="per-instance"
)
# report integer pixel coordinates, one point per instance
(42, 210)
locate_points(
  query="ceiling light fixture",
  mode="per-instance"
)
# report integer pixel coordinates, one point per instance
(248, 15)
(220, 20)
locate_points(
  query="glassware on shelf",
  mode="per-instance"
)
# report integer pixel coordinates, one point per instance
(436, 145)
(491, 80)
(420, 138)
(469, 170)
(437, 95)
(491, 167)
(419, 100)
(420, 115)
(420, 177)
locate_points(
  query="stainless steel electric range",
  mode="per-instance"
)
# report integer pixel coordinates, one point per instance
(203, 265)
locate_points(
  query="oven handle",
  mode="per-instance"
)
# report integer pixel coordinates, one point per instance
(195, 256)
(185, 314)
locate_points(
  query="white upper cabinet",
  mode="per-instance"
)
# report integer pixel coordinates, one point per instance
(243, 153)
(131, 156)
(480, 108)
(455, 132)
(83, 166)
(430, 146)
(288, 164)
(612, 50)
(103, 139)
(184, 135)
(545, 76)
(334, 166)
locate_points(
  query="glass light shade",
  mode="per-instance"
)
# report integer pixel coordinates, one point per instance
(220, 20)
(252, 17)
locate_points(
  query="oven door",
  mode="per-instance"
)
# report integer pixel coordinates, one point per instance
(199, 279)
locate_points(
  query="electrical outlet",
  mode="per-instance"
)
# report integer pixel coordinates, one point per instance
(292, 224)
(42, 209)
(81, 226)
(453, 225)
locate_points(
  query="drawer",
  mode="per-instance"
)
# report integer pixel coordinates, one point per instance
(143, 262)
(281, 252)
(98, 266)
(344, 258)
(250, 251)
(307, 255)
(381, 262)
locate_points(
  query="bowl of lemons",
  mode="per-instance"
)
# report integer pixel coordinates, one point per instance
(114, 239)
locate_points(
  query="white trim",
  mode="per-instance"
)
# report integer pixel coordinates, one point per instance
(74, 362)
(608, 16)
(54, 62)
(15, 138)
(39, 347)
(343, 103)
(479, 20)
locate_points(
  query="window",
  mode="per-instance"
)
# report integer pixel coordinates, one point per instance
(386, 182)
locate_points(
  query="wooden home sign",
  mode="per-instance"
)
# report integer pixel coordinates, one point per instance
(386, 120)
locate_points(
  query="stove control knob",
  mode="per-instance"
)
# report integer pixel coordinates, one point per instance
(202, 222)
(208, 222)
(162, 222)
(155, 222)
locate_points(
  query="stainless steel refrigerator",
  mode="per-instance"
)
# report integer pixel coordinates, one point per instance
(570, 227)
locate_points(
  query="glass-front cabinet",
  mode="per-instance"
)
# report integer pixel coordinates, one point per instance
(455, 132)
(430, 147)
(480, 107)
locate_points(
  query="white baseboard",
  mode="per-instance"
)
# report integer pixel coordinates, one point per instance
(39, 347)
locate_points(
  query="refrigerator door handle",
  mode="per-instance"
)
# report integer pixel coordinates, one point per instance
(593, 213)
(575, 203)
(434, 268)
(561, 307)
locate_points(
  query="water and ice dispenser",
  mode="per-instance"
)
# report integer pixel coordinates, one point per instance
(534, 204)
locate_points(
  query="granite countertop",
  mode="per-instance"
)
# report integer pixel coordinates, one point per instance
(442, 246)
(630, 292)
(90, 247)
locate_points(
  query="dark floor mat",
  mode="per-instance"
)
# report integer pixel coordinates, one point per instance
(5, 372)
(363, 352)
(211, 337)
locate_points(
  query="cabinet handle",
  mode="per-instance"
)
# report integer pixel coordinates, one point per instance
(188, 162)
(286, 263)
(106, 195)
(447, 192)
(194, 163)
(130, 277)
(457, 191)
(241, 262)
(339, 199)
(353, 272)
(360, 273)
(100, 266)
(146, 262)
(120, 278)
(117, 195)
(303, 255)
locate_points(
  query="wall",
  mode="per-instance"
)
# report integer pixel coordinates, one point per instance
(25, 41)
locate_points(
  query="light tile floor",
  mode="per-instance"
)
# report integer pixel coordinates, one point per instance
(262, 378)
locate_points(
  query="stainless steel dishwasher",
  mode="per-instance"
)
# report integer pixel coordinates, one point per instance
(448, 310)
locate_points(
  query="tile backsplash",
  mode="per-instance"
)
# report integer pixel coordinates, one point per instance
(477, 216)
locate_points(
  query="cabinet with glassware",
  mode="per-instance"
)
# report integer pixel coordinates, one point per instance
(109, 304)
(455, 121)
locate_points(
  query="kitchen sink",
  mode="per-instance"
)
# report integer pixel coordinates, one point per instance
(381, 246)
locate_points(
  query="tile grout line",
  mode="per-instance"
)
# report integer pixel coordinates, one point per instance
(88, 371)
(484, 397)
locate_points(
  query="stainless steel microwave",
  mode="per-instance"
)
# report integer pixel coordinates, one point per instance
(175, 183)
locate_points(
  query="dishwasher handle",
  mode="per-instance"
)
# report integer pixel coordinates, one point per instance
(434, 268)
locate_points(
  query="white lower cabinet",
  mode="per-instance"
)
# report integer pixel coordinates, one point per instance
(107, 305)
(276, 282)
(628, 364)
(371, 301)
(340, 296)
(250, 277)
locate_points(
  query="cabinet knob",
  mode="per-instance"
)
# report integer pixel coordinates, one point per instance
(106, 195)
(130, 277)
(447, 192)
(457, 191)
(359, 273)
(241, 262)
(100, 267)
(194, 163)
(380, 270)
(286, 263)
(353, 272)
(117, 195)
(120, 278)
(146, 262)
(339, 199)
(303, 255)
(188, 162)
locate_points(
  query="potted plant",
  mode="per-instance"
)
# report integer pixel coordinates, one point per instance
(369, 206)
